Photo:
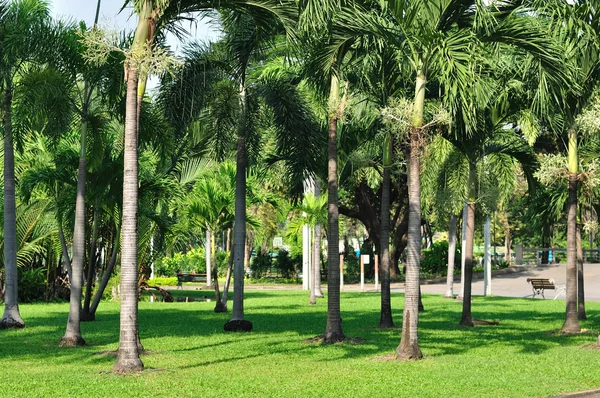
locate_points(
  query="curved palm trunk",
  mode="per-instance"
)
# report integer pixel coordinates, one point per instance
(128, 358)
(580, 285)
(237, 322)
(72, 335)
(106, 277)
(65, 250)
(571, 324)
(385, 317)
(11, 318)
(333, 329)
(466, 318)
(451, 254)
(409, 342)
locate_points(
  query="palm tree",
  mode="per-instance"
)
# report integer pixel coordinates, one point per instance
(576, 25)
(23, 34)
(437, 38)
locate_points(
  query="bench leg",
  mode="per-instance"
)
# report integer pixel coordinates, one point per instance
(560, 291)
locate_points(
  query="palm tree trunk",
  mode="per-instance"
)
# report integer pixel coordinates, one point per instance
(72, 335)
(466, 318)
(317, 249)
(571, 324)
(65, 250)
(451, 254)
(580, 285)
(385, 317)
(312, 298)
(86, 315)
(106, 277)
(128, 358)
(333, 329)
(227, 278)
(11, 318)
(237, 322)
(409, 342)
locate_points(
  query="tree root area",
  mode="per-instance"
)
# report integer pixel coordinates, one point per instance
(10, 323)
(238, 326)
(348, 340)
(76, 341)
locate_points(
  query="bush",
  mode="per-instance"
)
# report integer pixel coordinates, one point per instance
(194, 260)
(351, 267)
(32, 285)
(163, 281)
(435, 259)
(286, 264)
(260, 264)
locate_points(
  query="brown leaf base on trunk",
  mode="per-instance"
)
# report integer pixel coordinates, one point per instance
(238, 326)
(127, 365)
(10, 323)
(86, 317)
(74, 341)
(220, 307)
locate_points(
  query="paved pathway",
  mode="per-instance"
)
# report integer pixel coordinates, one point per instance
(512, 284)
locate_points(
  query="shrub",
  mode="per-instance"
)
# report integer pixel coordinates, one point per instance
(163, 281)
(32, 285)
(286, 264)
(194, 260)
(435, 259)
(260, 264)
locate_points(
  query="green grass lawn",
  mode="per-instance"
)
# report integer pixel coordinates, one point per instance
(191, 356)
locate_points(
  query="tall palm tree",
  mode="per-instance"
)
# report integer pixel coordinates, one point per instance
(23, 34)
(436, 38)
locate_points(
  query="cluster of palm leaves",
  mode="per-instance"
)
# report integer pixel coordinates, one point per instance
(406, 112)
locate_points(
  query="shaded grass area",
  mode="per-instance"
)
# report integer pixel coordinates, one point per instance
(191, 356)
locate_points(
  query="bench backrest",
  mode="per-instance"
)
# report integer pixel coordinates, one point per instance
(191, 277)
(541, 283)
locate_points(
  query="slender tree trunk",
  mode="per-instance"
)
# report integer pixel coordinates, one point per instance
(333, 329)
(312, 298)
(65, 251)
(385, 316)
(467, 319)
(409, 342)
(580, 285)
(72, 335)
(86, 315)
(106, 277)
(227, 278)
(11, 319)
(317, 250)
(571, 324)
(451, 254)
(128, 357)
(237, 322)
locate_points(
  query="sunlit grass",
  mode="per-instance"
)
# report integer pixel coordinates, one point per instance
(191, 355)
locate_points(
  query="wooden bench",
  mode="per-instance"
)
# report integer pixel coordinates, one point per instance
(181, 278)
(538, 285)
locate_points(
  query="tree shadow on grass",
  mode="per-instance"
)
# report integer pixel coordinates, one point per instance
(526, 325)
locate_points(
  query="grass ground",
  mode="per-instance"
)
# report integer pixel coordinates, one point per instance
(191, 356)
